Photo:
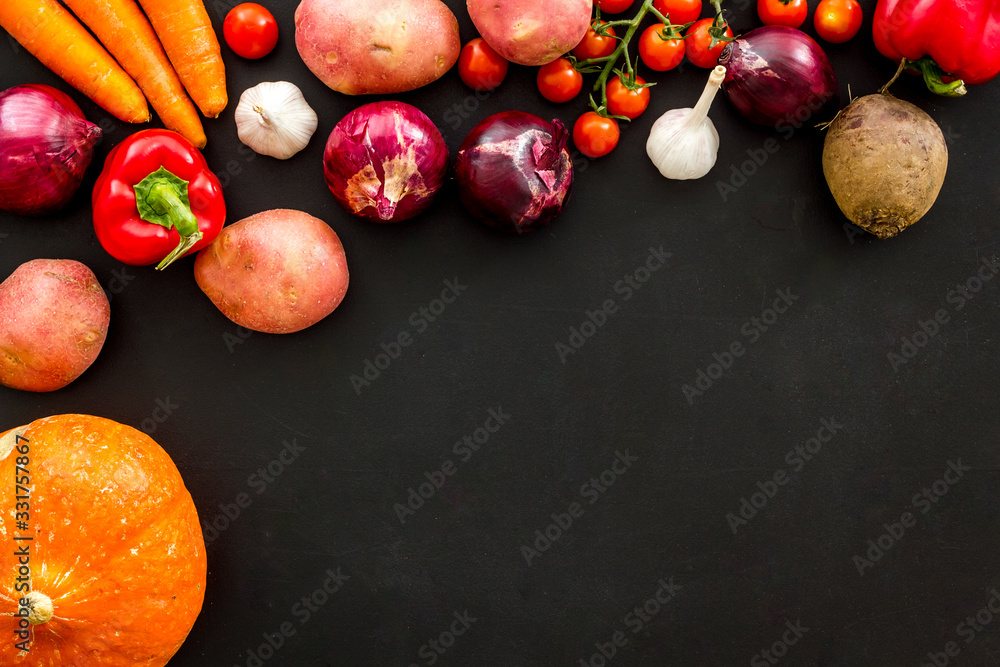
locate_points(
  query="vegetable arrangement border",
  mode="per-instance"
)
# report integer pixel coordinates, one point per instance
(281, 271)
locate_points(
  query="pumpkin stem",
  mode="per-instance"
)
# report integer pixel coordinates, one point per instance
(11, 440)
(39, 608)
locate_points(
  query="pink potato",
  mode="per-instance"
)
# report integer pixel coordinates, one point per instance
(54, 318)
(364, 47)
(278, 271)
(531, 32)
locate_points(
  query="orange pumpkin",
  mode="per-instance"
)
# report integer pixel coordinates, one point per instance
(115, 561)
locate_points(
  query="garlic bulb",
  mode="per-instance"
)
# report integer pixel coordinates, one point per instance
(684, 143)
(274, 119)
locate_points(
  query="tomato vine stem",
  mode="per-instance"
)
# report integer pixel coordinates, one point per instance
(608, 65)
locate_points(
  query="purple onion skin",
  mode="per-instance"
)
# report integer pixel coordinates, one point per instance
(46, 146)
(385, 161)
(514, 171)
(778, 76)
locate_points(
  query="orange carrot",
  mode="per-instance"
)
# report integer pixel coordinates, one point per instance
(188, 38)
(51, 34)
(121, 26)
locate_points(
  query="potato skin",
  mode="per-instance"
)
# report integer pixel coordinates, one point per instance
(366, 47)
(885, 162)
(278, 271)
(54, 318)
(531, 32)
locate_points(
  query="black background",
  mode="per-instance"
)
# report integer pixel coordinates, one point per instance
(826, 357)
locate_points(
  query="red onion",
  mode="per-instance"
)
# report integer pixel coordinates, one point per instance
(385, 161)
(514, 171)
(45, 147)
(778, 76)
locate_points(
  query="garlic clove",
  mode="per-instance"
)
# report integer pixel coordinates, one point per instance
(273, 118)
(683, 143)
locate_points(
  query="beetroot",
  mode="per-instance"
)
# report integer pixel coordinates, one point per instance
(885, 161)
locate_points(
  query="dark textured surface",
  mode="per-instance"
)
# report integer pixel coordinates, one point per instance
(235, 401)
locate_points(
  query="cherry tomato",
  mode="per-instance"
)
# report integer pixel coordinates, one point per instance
(660, 55)
(782, 12)
(559, 81)
(625, 102)
(595, 46)
(594, 135)
(698, 41)
(613, 6)
(250, 30)
(681, 11)
(837, 21)
(480, 67)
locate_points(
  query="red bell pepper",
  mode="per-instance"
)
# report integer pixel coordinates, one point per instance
(950, 42)
(156, 200)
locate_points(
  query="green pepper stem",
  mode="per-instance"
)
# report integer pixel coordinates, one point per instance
(187, 242)
(163, 199)
(932, 74)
